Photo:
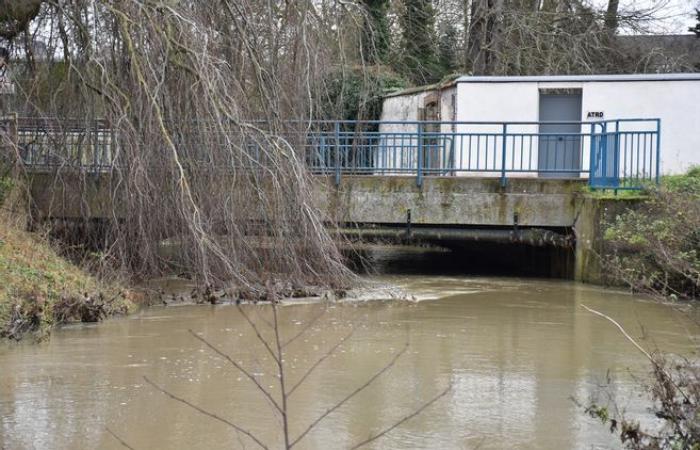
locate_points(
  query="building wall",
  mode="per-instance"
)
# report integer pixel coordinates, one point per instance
(390, 154)
(491, 102)
(397, 151)
(676, 103)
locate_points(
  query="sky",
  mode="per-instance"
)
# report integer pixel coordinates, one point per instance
(675, 16)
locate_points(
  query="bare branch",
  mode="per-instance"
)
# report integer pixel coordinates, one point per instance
(622, 330)
(319, 361)
(404, 419)
(306, 328)
(350, 396)
(206, 413)
(259, 335)
(120, 440)
(240, 368)
(658, 367)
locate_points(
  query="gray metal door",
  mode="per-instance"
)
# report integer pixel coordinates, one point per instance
(560, 144)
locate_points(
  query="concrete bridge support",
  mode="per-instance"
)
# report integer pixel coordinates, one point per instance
(554, 215)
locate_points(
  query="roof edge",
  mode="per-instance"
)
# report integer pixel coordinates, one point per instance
(580, 78)
(450, 82)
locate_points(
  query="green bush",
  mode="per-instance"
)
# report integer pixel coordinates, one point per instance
(683, 184)
(656, 247)
(357, 94)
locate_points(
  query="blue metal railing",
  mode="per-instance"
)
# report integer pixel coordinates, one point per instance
(617, 154)
(612, 154)
(48, 144)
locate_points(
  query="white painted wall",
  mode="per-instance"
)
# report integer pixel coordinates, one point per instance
(398, 151)
(503, 102)
(675, 102)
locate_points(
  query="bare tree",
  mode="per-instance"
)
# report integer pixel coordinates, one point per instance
(611, 19)
(197, 112)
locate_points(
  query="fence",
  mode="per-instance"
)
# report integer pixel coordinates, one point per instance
(618, 154)
(8, 139)
(46, 144)
(614, 154)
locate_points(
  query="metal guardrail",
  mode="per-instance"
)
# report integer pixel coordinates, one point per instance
(616, 154)
(8, 139)
(45, 144)
(612, 154)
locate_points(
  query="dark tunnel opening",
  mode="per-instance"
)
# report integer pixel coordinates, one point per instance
(478, 258)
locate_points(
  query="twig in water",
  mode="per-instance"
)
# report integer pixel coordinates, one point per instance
(404, 419)
(120, 440)
(206, 413)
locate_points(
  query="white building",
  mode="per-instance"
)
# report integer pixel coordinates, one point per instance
(470, 146)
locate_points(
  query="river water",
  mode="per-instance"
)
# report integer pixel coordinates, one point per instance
(516, 352)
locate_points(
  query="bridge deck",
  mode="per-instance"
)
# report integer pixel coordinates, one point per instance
(452, 201)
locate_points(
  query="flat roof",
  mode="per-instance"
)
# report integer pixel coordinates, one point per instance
(547, 79)
(580, 78)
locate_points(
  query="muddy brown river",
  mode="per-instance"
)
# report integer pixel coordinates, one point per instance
(516, 351)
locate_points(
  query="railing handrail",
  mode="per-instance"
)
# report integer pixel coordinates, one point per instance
(78, 121)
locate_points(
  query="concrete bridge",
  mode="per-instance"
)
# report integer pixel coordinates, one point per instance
(554, 218)
(419, 188)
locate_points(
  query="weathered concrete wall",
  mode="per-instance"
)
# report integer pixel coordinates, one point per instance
(365, 199)
(591, 250)
(441, 201)
(452, 201)
(73, 196)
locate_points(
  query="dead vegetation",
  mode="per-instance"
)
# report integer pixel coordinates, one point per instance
(205, 103)
(40, 289)
(673, 390)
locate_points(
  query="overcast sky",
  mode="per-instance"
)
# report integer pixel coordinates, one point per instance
(676, 16)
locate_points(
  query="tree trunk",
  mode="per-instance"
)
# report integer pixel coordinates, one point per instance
(485, 30)
(611, 20)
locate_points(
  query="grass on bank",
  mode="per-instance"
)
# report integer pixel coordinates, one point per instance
(687, 183)
(39, 289)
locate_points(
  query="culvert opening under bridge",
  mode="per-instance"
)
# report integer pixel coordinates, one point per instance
(483, 252)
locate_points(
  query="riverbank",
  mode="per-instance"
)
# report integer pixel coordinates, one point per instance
(39, 289)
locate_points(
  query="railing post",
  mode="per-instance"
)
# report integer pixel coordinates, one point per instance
(337, 153)
(503, 156)
(604, 153)
(617, 154)
(658, 150)
(592, 156)
(419, 165)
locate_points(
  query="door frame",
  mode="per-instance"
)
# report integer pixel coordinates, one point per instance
(572, 92)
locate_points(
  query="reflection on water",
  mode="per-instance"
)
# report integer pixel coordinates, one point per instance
(516, 351)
